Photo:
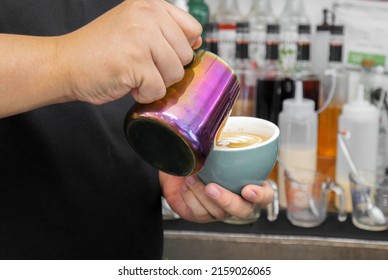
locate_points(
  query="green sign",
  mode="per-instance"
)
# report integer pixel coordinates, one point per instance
(357, 58)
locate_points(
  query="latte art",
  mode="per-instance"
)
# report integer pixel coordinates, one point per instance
(239, 139)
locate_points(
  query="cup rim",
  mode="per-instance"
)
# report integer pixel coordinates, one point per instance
(273, 137)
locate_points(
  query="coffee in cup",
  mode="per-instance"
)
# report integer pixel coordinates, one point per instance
(239, 139)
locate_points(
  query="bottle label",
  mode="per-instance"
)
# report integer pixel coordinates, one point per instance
(288, 50)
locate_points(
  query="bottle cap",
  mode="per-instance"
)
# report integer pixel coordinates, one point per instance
(324, 26)
(298, 106)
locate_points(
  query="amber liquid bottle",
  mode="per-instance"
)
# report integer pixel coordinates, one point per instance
(328, 118)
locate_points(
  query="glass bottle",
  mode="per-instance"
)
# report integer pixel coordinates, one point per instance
(293, 14)
(303, 68)
(335, 98)
(269, 78)
(227, 16)
(200, 11)
(211, 37)
(246, 72)
(259, 17)
(321, 41)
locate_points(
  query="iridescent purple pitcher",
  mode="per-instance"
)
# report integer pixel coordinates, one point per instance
(175, 134)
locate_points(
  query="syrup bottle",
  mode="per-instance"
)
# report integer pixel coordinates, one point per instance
(227, 16)
(293, 14)
(211, 37)
(246, 72)
(334, 98)
(303, 68)
(269, 79)
(320, 55)
(259, 17)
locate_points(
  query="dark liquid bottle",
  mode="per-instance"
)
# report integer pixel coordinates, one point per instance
(269, 79)
(211, 37)
(303, 67)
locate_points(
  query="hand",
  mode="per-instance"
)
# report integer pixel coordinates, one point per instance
(139, 46)
(194, 201)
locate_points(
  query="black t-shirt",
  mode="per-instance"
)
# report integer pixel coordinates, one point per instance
(70, 185)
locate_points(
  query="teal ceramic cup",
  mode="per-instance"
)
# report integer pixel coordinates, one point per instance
(234, 168)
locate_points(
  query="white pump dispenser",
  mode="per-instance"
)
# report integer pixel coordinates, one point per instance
(359, 122)
(298, 136)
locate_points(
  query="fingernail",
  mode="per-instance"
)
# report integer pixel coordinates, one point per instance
(249, 194)
(213, 191)
(191, 180)
(184, 188)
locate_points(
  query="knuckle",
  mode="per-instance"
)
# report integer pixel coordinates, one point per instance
(175, 77)
(187, 58)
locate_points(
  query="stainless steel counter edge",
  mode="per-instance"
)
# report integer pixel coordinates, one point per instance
(208, 245)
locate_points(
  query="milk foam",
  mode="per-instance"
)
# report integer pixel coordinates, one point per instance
(238, 140)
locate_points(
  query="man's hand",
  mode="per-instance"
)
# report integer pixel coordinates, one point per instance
(194, 201)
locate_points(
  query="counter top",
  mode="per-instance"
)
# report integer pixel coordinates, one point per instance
(273, 240)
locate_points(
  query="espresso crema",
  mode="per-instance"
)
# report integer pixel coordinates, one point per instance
(239, 139)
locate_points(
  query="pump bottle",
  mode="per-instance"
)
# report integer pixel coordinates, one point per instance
(298, 141)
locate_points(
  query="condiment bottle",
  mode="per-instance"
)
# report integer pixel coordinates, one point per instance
(359, 122)
(298, 136)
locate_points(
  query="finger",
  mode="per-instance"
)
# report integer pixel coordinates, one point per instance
(168, 64)
(195, 211)
(232, 203)
(189, 25)
(150, 84)
(262, 195)
(198, 189)
(197, 44)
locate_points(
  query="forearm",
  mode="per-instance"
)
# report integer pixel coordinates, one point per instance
(32, 74)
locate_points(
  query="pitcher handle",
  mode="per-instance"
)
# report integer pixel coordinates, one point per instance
(339, 191)
(273, 207)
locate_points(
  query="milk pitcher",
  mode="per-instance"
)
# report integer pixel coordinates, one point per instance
(175, 134)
